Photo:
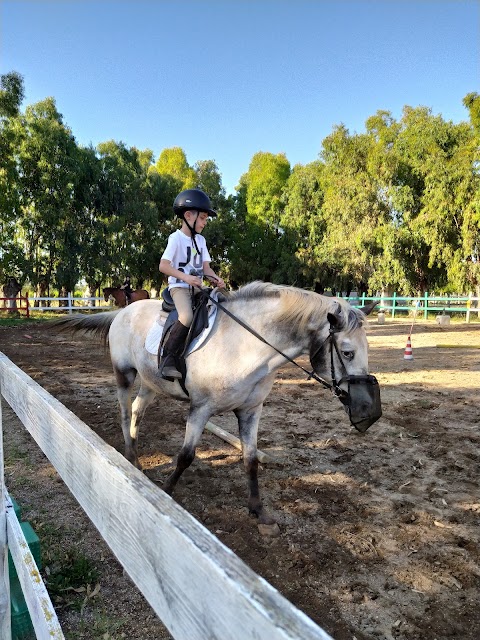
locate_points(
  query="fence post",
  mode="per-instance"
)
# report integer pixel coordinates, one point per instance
(469, 304)
(69, 296)
(5, 621)
(425, 311)
(394, 301)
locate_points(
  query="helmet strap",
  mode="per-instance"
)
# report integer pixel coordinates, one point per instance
(193, 230)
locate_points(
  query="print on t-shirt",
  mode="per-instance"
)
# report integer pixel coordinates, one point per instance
(192, 264)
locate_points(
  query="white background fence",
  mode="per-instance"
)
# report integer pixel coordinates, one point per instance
(69, 303)
(197, 586)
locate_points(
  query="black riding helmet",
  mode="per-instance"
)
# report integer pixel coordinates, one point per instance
(192, 199)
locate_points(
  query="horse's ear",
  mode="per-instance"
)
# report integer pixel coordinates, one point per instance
(334, 316)
(368, 308)
(333, 320)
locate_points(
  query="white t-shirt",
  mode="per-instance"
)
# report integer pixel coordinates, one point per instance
(182, 255)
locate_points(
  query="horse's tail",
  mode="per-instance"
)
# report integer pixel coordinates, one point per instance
(97, 324)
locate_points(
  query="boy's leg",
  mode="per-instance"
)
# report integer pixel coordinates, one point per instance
(178, 333)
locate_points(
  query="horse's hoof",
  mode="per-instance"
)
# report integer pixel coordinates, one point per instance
(265, 518)
(167, 488)
(135, 463)
(269, 530)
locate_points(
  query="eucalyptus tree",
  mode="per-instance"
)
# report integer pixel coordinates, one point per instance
(465, 267)
(166, 178)
(352, 209)
(395, 265)
(173, 162)
(304, 228)
(94, 256)
(128, 215)
(218, 231)
(472, 102)
(431, 196)
(11, 254)
(256, 221)
(47, 168)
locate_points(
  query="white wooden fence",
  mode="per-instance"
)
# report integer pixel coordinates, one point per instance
(68, 303)
(197, 586)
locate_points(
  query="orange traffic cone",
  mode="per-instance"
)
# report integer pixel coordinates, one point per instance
(408, 355)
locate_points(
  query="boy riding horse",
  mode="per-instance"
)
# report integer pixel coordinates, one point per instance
(186, 254)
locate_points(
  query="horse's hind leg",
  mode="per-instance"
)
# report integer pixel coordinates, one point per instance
(130, 417)
(141, 403)
(248, 420)
(196, 422)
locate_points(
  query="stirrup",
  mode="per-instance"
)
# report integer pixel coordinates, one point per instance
(168, 369)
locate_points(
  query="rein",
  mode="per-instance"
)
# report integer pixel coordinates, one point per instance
(311, 374)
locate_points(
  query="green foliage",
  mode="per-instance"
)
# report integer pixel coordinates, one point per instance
(472, 102)
(257, 250)
(11, 94)
(173, 162)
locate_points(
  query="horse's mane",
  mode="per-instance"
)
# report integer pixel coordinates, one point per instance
(299, 306)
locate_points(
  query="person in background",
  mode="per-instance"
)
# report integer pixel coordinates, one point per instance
(186, 261)
(127, 288)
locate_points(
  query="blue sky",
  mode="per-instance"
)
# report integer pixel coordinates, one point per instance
(225, 79)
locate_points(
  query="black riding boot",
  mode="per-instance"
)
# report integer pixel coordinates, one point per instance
(172, 349)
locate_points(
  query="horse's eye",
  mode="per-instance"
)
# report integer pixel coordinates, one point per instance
(348, 355)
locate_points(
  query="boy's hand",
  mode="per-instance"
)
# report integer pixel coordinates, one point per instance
(218, 282)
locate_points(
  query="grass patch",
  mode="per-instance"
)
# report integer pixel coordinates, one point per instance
(71, 578)
(15, 321)
(11, 321)
(15, 453)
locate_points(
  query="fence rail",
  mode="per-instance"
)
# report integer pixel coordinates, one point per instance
(197, 586)
(68, 303)
(422, 304)
(11, 304)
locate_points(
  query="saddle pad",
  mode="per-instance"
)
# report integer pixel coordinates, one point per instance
(154, 335)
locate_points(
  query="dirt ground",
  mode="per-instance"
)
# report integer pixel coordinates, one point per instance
(380, 534)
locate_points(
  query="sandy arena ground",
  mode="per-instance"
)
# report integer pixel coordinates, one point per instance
(380, 534)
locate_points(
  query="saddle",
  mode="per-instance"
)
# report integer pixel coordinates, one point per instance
(199, 323)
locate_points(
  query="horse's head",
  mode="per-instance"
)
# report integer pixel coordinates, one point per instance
(106, 294)
(339, 355)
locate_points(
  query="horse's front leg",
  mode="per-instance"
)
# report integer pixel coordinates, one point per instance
(248, 420)
(196, 422)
